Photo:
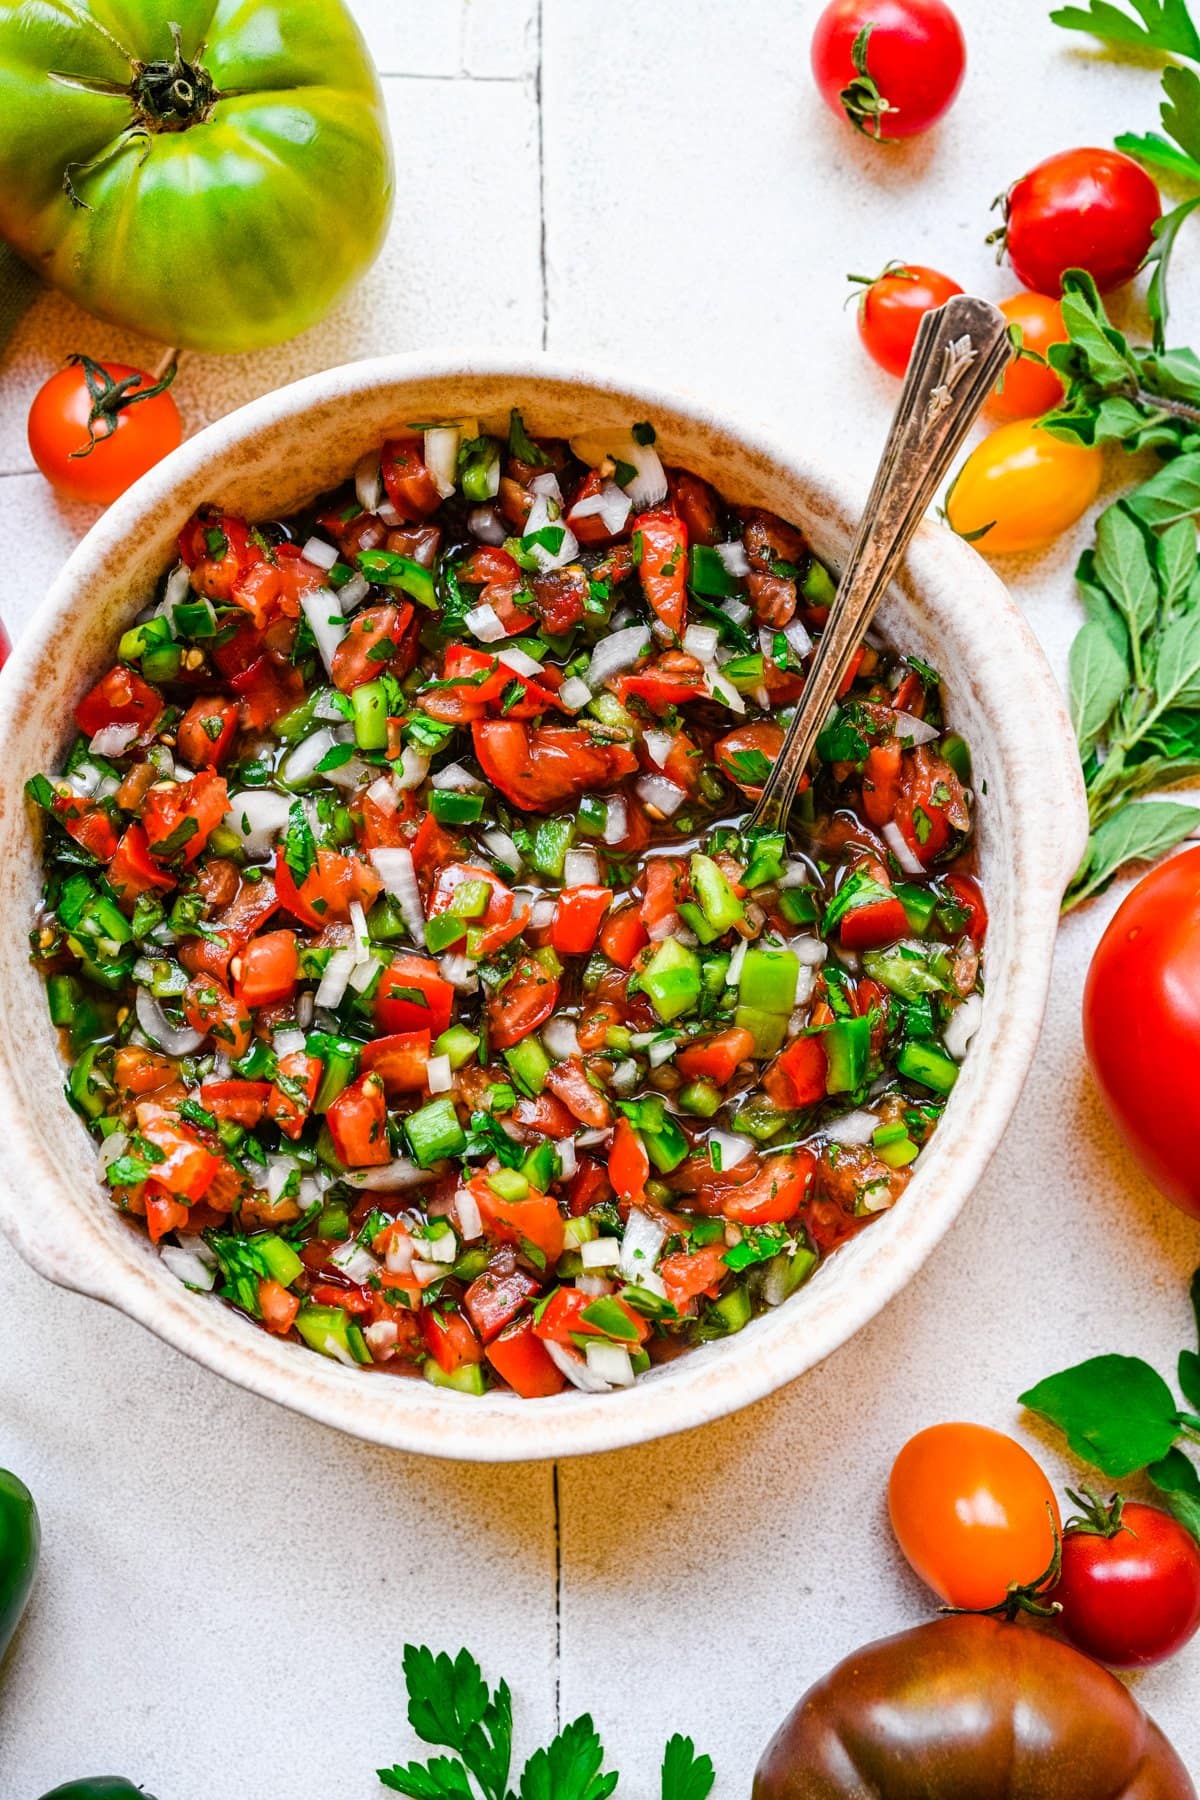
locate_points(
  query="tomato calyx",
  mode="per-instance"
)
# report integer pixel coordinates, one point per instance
(1030, 1597)
(862, 102)
(1094, 1518)
(891, 271)
(109, 398)
(171, 94)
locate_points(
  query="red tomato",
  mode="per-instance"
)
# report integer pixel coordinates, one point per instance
(628, 1164)
(689, 1273)
(413, 996)
(133, 870)
(577, 918)
(881, 781)
(520, 1359)
(541, 767)
(1082, 209)
(270, 968)
(401, 1061)
(410, 486)
(327, 890)
(206, 731)
(494, 1298)
(373, 642)
(623, 934)
(1130, 1584)
(797, 1076)
(776, 1192)
(241, 1102)
(100, 403)
(526, 1001)
(716, 1057)
(450, 1340)
(892, 307)
(906, 74)
(179, 819)
(536, 1218)
(972, 1512)
(120, 698)
(277, 1306)
(208, 1006)
(878, 922)
(163, 1213)
(291, 1097)
(969, 895)
(1141, 1024)
(187, 1169)
(663, 565)
(357, 1122)
(561, 1319)
(89, 825)
(740, 754)
(1028, 388)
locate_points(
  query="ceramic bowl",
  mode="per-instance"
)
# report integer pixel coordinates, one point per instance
(264, 460)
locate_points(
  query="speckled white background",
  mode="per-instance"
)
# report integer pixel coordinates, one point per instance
(225, 1589)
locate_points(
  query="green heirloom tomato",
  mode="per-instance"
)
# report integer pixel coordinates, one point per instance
(20, 1540)
(98, 1787)
(215, 175)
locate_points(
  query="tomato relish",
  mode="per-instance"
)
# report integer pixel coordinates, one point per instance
(421, 979)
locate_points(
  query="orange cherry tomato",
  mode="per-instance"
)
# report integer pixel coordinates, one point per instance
(1021, 488)
(1029, 388)
(972, 1512)
(95, 427)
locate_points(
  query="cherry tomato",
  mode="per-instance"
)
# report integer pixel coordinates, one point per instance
(95, 427)
(972, 1512)
(1141, 1024)
(1021, 488)
(1029, 388)
(902, 77)
(1082, 209)
(892, 308)
(1130, 1584)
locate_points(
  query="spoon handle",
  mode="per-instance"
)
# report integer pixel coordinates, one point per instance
(960, 349)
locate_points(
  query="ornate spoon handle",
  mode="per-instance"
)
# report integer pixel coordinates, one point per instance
(960, 350)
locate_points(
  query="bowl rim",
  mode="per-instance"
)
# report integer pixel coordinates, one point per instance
(42, 1217)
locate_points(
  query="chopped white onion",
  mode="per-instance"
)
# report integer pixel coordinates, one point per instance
(280, 1170)
(355, 1261)
(560, 1038)
(733, 1147)
(170, 1039)
(470, 1219)
(456, 779)
(612, 1363)
(662, 1050)
(176, 589)
(806, 981)
(734, 558)
(542, 914)
(649, 485)
(595, 1285)
(382, 793)
(484, 623)
(442, 1249)
(438, 1076)
(398, 1257)
(894, 838)
(612, 506)
(722, 690)
(576, 1370)
(368, 482)
(617, 652)
(336, 978)
(658, 746)
(735, 609)
(918, 731)
(624, 1078)
(395, 870)
(810, 950)
(661, 794)
(288, 1041)
(669, 926)
(113, 1146)
(795, 874)
(411, 769)
(574, 694)
(358, 925)
(323, 611)
(600, 1253)
(485, 524)
(319, 553)
(381, 1338)
(500, 845)
(566, 1155)
(187, 1267)
(519, 661)
(389, 515)
(401, 1173)
(733, 973)
(541, 519)
(352, 591)
(300, 764)
(857, 1127)
(587, 1140)
(644, 1238)
(441, 457)
(798, 638)
(113, 740)
(701, 642)
(460, 972)
(616, 823)
(581, 868)
(962, 1025)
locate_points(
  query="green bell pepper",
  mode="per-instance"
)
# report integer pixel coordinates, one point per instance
(768, 981)
(847, 1048)
(20, 1542)
(718, 902)
(671, 979)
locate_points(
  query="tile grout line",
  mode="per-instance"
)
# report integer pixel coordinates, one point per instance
(456, 75)
(557, 1602)
(541, 157)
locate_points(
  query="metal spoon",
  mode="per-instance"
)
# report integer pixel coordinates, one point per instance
(959, 352)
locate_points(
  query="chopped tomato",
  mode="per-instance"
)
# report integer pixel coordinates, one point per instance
(689, 1273)
(545, 1114)
(219, 550)
(413, 995)
(797, 1076)
(431, 847)
(270, 969)
(483, 685)
(589, 1186)
(522, 1361)
(628, 1164)
(331, 884)
(851, 675)
(294, 1090)
(877, 922)
(563, 1318)
(525, 1001)
(747, 754)
(663, 565)
(180, 817)
(577, 918)
(450, 1340)
(120, 698)
(697, 505)
(277, 1306)
(534, 1220)
(716, 1058)
(208, 1006)
(163, 1212)
(187, 1168)
(881, 781)
(133, 870)
(569, 1083)
(240, 1102)
(969, 895)
(932, 807)
(410, 487)
(496, 1297)
(375, 640)
(663, 879)
(590, 528)
(623, 934)
(453, 876)
(401, 1061)
(541, 767)
(206, 731)
(357, 1122)
(672, 681)
(89, 825)
(776, 1192)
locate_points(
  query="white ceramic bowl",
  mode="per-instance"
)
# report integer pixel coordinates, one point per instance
(263, 461)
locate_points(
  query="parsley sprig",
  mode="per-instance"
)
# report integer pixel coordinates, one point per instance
(451, 1706)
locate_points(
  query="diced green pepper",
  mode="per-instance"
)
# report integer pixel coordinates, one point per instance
(468, 1378)
(162, 662)
(260, 1062)
(331, 1331)
(444, 929)
(745, 672)
(548, 850)
(370, 702)
(579, 1231)
(281, 1260)
(458, 1044)
(340, 1057)
(607, 1315)
(385, 921)
(847, 1045)
(700, 1097)
(671, 979)
(194, 619)
(390, 569)
(542, 1166)
(479, 468)
(919, 905)
(759, 1120)
(334, 1222)
(433, 1132)
(925, 1063)
(528, 1064)
(800, 905)
(592, 816)
(718, 902)
(768, 980)
(730, 1313)
(449, 806)
(910, 970)
(768, 1029)
(695, 920)
(508, 1184)
(957, 753)
(818, 585)
(665, 1143)
(151, 634)
(770, 848)
(87, 1088)
(709, 576)
(786, 1273)
(470, 899)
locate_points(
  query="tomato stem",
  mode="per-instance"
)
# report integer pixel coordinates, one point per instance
(1094, 1518)
(1027, 1597)
(862, 102)
(110, 398)
(172, 93)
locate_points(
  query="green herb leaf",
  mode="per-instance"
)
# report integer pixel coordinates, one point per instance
(1099, 676)
(441, 1778)
(1159, 25)
(449, 1704)
(1117, 1412)
(569, 1768)
(1136, 833)
(1177, 1477)
(522, 446)
(1123, 566)
(299, 845)
(1189, 1377)
(1166, 229)
(685, 1776)
(1171, 494)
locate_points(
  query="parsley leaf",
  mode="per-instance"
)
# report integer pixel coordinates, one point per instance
(299, 845)
(1160, 25)
(685, 1776)
(522, 446)
(449, 1704)
(570, 1767)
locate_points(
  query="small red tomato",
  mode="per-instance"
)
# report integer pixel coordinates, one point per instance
(892, 308)
(95, 427)
(1130, 1584)
(891, 66)
(1029, 387)
(1082, 209)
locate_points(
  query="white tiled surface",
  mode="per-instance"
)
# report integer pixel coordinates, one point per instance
(225, 1589)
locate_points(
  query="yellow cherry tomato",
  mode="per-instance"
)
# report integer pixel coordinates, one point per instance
(1025, 485)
